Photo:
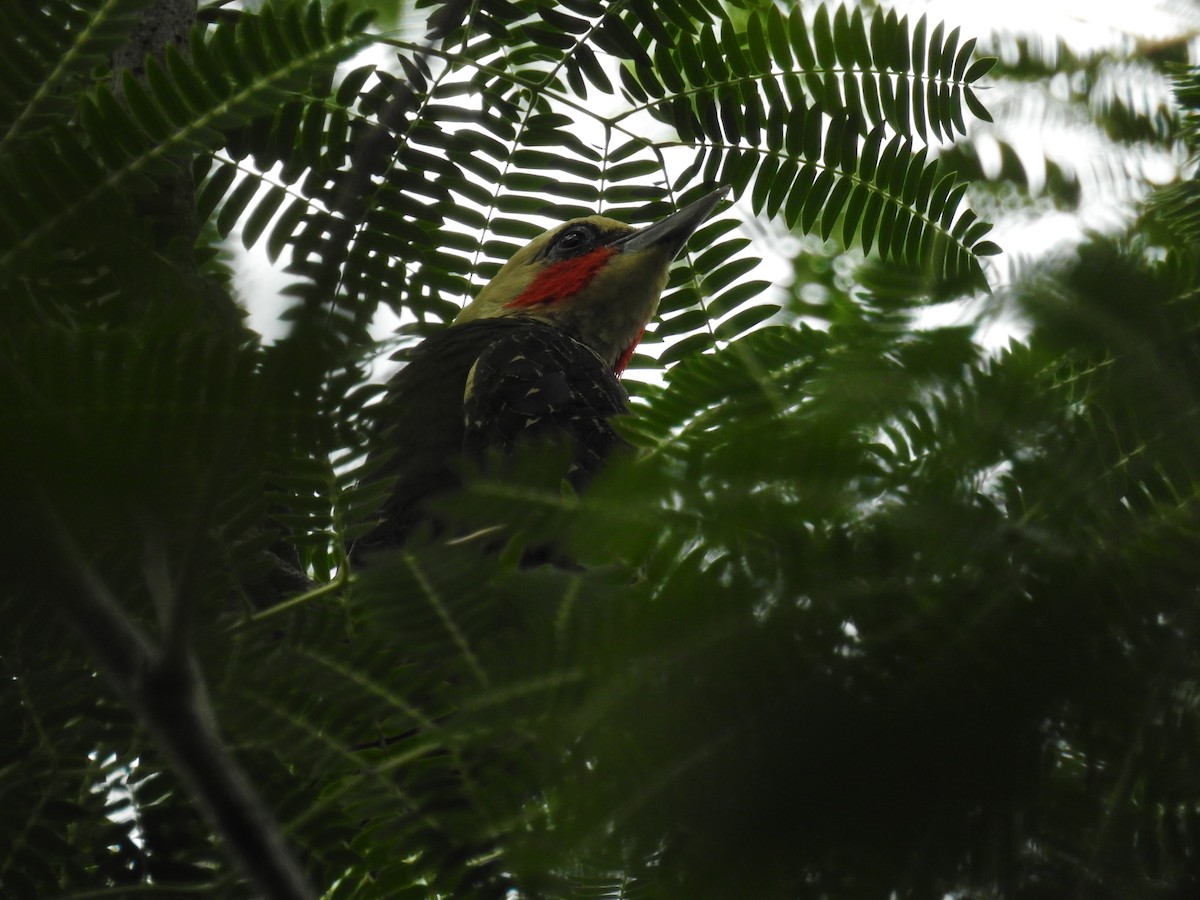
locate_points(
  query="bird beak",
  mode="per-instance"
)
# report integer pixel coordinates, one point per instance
(672, 232)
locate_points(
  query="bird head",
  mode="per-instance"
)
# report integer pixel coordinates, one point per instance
(597, 279)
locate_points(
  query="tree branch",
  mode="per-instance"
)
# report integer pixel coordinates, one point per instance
(168, 694)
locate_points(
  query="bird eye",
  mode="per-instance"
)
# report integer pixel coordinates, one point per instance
(572, 239)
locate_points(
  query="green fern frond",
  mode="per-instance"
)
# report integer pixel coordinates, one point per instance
(484, 143)
(53, 178)
(389, 689)
(799, 120)
(1179, 204)
(427, 159)
(50, 52)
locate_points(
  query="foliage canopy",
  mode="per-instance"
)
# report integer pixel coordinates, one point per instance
(873, 611)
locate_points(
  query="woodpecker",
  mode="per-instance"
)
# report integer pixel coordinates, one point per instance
(536, 357)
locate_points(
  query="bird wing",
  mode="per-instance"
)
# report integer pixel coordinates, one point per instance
(419, 423)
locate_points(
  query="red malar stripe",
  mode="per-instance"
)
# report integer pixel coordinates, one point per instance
(627, 353)
(562, 279)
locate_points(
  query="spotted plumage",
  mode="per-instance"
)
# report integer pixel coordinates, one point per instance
(537, 384)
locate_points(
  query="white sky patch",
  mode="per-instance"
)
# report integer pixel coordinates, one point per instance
(1086, 26)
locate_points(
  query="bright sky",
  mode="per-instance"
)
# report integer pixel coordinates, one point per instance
(1085, 25)
(1026, 120)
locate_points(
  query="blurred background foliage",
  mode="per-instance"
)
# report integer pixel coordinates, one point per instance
(898, 599)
